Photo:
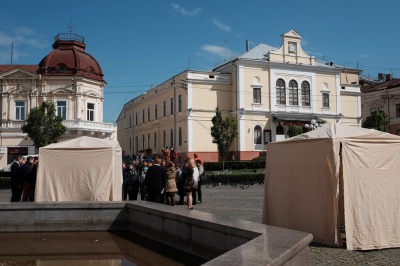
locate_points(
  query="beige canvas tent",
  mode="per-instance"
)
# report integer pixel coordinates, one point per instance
(336, 176)
(81, 169)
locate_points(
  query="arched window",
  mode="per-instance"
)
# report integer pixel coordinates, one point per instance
(280, 92)
(143, 142)
(180, 136)
(148, 140)
(164, 139)
(257, 135)
(305, 93)
(136, 145)
(171, 138)
(293, 93)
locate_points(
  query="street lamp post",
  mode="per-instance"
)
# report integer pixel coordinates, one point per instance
(12, 51)
(313, 125)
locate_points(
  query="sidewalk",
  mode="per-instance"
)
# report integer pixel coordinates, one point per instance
(246, 204)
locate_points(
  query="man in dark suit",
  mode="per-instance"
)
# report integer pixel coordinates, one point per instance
(16, 179)
(155, 181)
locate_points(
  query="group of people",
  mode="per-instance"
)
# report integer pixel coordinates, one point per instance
(160, 181)
(23, 178)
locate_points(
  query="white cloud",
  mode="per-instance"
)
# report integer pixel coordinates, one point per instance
(183, 11)
(365, 56)
(23, 35)
(24, 39)
(217, 50)
(221, 25)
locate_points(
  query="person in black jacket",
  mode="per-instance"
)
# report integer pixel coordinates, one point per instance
(16, 181)
(26, 170)
(132, 182)
(155, 181)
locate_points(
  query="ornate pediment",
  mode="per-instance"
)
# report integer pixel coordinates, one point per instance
(21, 89)
(18, 73)
(293, 34)
(63, 90)
(92, 93)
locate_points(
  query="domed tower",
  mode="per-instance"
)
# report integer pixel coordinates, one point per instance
(69, 58)
(73, 80)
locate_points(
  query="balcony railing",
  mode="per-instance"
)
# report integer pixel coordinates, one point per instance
(70, 124)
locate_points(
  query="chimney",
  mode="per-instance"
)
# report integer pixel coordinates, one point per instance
(380, 76)
(247, 45)
(388, 77)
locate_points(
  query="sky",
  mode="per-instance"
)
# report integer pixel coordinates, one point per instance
(143, 43)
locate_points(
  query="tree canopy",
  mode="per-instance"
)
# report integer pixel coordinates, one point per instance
(294, 130)
(377, 120)
(43, 126)
(223, 132)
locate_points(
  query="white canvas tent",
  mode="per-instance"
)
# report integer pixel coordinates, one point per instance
(81, 169)
(336, 175)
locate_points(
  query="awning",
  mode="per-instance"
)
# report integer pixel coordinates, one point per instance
(297, 117)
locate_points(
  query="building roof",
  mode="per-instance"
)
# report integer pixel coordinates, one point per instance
(394, 83)
(30, 68)
(261, 51)
(69, 58)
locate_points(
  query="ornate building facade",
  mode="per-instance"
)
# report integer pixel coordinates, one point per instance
(70, 78)
(265, 88)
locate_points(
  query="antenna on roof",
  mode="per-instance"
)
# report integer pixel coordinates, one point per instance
(71, 27)
(226, 44)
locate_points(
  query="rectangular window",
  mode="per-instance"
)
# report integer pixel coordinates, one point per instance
(155, 111)
(172, 106)
(155, 140)
(280, 95)
(325, 100)
(143, 116)
(256, 95)
(164, 108)
(371, 110)
(19, 110)
(180, 103)
(90, 111)
(148, 114)
(397, 110)
(136, 118)
(380, 108)
(62, 109)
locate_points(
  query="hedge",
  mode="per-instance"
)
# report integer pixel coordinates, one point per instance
(234, 165)
(246, 178)
(5, 182)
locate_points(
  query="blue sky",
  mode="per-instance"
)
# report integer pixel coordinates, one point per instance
(143, 43)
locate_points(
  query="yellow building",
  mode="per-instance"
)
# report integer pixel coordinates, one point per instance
(383, 95)
(68, 77)
(265, 88)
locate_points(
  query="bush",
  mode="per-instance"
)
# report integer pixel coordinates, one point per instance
(234, 165)
(5, 182)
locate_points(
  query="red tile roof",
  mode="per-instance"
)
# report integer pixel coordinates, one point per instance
(30, 68)
(394, 83)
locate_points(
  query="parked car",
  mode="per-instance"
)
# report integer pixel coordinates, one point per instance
(7, 168)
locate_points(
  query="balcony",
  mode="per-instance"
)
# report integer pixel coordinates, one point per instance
(72, 125)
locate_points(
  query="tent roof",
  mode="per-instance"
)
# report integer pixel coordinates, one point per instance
(83, 142)
(336, 130)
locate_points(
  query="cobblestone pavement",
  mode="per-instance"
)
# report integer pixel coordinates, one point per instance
(246, 204)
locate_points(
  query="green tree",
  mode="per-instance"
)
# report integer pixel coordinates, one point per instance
(223, 132)
(294, 130)
(43, 125)
(377, 120)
